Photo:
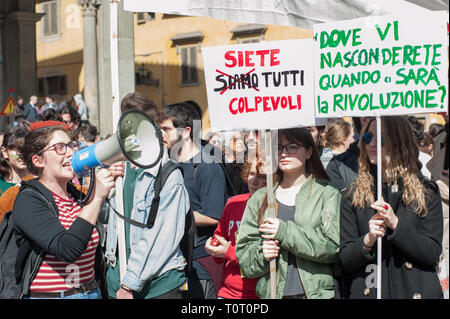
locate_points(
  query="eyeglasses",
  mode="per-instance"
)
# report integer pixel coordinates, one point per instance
(367, 138)
(290, 148)
(61, 148)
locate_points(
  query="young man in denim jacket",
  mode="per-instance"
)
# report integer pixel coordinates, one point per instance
(205, 183)
(155, 263)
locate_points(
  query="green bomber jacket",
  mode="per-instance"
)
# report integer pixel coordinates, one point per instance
(313, 239)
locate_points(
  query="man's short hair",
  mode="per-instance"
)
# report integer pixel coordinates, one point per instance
(196, 106)
(136, 101)
(182, 115)
(51, 115)
(89, 132)
(74, 115)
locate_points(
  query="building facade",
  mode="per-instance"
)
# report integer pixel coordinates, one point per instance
(164, 52)
(159, 54)
(17, 51)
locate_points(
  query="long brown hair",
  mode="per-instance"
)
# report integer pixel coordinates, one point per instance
(336, 131)
(14, 138)
(401, 160)
(313, 166)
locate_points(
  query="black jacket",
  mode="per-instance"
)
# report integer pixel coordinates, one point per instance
(343, 168)
(30, 113)
(409, 254)
(38, 231)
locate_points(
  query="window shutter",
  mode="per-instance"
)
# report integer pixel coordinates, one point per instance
(184, 66)
(193, 65)
(46, 18)
(53, 18)
(62, 85)
(41, 86)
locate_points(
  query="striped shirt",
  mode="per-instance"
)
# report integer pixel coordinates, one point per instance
(55, 275)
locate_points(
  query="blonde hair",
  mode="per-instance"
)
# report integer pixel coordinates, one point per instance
(336, 132)
(400, 162)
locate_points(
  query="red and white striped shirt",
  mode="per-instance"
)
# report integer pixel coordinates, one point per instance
(55, 275)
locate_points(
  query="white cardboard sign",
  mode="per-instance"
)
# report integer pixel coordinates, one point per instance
(258, 86)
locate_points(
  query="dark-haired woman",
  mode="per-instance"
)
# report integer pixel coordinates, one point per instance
(59, 234)
(304, 236)
(408, 218)
(12, 167)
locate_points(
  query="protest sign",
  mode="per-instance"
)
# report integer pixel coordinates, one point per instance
(266, 85)
(381, 65)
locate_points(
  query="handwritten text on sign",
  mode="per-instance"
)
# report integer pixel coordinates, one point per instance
(383, 66)
(260, 85)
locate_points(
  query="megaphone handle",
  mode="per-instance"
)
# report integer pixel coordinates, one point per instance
(91, 187)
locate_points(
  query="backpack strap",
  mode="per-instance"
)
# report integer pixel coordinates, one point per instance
(163, 173)
(161, 179)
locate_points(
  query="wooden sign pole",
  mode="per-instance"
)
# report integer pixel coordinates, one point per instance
(270, 206)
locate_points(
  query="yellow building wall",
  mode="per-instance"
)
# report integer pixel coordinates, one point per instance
(154, 49)
(154, 38)
(62, 54)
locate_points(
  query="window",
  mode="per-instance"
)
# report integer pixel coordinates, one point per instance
(52, 85)
(189, 71)
(249, 33)
(145, 77)
(188, 46)
(50, 22)
(142, 17)
(249, 40)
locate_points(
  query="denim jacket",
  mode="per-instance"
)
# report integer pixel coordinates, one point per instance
(153, 251)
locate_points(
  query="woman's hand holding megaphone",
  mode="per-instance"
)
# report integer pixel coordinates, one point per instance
(117, 169)
(104, 181)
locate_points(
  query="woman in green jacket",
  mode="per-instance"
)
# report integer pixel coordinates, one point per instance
(304, 237)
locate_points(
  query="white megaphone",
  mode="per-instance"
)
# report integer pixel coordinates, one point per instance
(137, 140)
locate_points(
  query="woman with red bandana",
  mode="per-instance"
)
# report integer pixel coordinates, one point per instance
(57, 239)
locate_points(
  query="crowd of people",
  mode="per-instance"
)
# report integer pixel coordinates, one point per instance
(327, 221)
(35, 108)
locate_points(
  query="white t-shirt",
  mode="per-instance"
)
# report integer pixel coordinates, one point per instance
(424, 158)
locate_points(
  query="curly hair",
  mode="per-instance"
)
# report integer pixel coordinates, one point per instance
(400, 164)
(36, 141)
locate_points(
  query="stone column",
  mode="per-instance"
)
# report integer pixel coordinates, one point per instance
(3, 119)
(19, 69)
(89, 10)
(126, 62)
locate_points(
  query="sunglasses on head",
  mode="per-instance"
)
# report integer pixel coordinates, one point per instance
(367, 138)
